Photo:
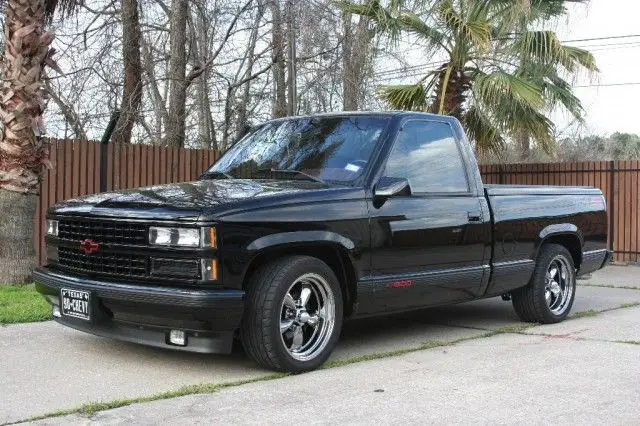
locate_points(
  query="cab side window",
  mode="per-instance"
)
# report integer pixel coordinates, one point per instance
(426, 153)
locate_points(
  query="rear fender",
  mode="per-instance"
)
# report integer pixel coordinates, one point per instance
(566, 234)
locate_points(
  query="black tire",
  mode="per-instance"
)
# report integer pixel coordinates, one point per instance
(265, 308)
(536, 302)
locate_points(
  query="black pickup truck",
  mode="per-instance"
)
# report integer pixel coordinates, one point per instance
(307, 221)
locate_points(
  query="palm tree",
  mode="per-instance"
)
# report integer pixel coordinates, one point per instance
(498, 75)
(22, 151)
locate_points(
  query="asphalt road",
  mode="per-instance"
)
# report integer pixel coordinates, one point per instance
(503, 378)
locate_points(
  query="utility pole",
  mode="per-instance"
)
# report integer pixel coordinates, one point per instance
(291, 47)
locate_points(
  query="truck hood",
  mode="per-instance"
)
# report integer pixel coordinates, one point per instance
(204, 199)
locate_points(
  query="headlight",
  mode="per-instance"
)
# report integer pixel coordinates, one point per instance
(183, 237)
(52, 227)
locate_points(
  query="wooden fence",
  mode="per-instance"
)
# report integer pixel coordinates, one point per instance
(618, 180)
(84, 167)
(87, 167)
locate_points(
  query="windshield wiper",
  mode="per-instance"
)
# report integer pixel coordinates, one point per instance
(294, 172)
(216, 175)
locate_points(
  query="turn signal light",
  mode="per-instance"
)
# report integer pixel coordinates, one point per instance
(209, 237)
(210, 269)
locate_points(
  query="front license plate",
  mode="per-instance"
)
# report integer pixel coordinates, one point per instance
(76, 303)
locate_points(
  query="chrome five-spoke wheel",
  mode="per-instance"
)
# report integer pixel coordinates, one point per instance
(307, 316)
(559, 284)
(548, 297)
(293, 314)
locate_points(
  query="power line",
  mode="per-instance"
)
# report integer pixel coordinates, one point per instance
(600, 38)
(407, 71)
(634, 83)
(409, 68)
(587, 46)
(632, 46)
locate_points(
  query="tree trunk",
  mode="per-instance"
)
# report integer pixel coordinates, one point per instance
(524, 141)
(356, 48)
(292, 80)
(22, 151)
(17, 254)
(200, 27)
(206, 127)
(456, 85)
(242, 117)
(159, 108)
(279, 108)
(132, 87)
(177, 74)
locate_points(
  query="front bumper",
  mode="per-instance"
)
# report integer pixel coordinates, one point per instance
(145, 314)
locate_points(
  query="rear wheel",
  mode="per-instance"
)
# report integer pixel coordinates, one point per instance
(293, 314)
(550, 294)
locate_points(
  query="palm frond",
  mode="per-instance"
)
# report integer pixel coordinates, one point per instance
(411, 97)
(515, 110)
(547, 9)
(413, 24)
(522, 119)
(477, 32)
(575, 56)
(544, 47)
(384, 19)
(557, 91)
(507, 14)
(482, 131)
(393, 21)
(501, 86)
(63, 8)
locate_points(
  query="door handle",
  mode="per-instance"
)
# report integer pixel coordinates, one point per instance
(474, 217)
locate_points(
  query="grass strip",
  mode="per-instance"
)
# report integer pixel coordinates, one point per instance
(203, 388)
(625, 287)
(585, 314)
(22, 303)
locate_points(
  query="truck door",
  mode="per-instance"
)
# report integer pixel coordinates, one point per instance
(430, 246)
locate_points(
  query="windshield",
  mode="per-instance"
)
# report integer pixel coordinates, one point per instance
(333, 149)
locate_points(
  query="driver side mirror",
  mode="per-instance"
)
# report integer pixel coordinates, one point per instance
(391, 187)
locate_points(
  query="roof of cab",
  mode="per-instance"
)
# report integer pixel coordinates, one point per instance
(409, 114)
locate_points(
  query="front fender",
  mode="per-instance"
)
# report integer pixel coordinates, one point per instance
(337, 251)
(300, 237)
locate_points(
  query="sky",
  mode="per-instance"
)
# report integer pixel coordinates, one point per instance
(608, 108)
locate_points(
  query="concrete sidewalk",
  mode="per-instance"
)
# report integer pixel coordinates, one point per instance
(616, 276)
(47, 367)
(569, 373)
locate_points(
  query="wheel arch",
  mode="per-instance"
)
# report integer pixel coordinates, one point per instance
(333, 249)
(565, 234)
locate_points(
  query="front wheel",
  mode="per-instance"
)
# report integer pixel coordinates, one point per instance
(550, 294)
(293, 314)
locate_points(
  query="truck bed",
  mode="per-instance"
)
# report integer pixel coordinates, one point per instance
(499, 190)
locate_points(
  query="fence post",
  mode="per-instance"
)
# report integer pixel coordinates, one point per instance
(104, 142)
(612, 202)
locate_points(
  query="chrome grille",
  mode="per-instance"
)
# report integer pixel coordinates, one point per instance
(103, 232)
